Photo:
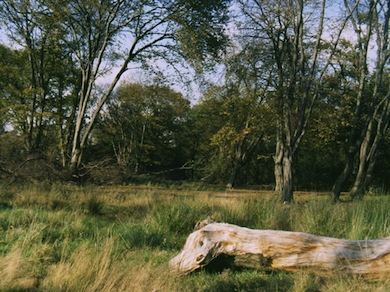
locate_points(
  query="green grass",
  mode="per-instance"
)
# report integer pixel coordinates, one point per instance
(69, 238)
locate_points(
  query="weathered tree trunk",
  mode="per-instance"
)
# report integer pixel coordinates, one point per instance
(284, 172)
(369, 152)
(278, 158)
(287, 192)
(283, 250)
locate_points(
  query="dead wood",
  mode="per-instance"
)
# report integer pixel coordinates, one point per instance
(282, 250)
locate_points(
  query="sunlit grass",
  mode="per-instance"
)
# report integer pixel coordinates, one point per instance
(120, 238)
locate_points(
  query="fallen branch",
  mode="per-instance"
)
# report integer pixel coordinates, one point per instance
(282, 250)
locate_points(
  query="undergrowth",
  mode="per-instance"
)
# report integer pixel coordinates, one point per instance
(69, 238)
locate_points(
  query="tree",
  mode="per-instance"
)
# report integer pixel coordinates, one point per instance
(237, 139)
(205, 121)
(370, 22)
(22, 19)
(13, 82)
(379, 118)
(229, 123)
(288, 36)
(319, 158)
(143, 126)
(101, 35)
(41, 96)
(122, 32)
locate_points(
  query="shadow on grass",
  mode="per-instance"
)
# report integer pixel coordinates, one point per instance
(226, 276)
(239, 280)
(255, 284)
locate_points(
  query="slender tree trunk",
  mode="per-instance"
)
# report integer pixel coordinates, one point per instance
(354, 139)
(75, 162)
(43, 88)
(141, 146)
(370, 170)
(339, 183)
(358, 186)
(287, 192)
(278, 160)
(76, 153)
(237, 161)
(368, 152)
(379, 113)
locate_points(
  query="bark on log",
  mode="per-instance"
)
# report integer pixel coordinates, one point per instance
(282, 250)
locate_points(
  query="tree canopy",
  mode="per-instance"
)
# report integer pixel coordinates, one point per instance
(303, 102)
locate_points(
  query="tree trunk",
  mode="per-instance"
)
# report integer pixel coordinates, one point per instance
(379, 119)
(355, 140)
(284, 178)
(278, 160)
(75, 162)
(284, 171)
(338, 184)
(358, 188)
(369, 150)
(282, 250)
(233, 174)
(287, 192)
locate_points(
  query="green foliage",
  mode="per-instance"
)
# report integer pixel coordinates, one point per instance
(51, 96)
(145, 128)
(199, 39)
(226, 138)
(240, 132)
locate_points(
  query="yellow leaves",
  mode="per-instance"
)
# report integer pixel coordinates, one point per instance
(224, 136)
(29, 92)
(227, 138)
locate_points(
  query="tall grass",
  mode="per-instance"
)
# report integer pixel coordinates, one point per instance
(69, 238)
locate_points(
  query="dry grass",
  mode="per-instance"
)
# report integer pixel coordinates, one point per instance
(120, 238)
(90, 269)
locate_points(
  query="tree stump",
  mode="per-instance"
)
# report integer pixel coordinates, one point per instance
(282, 250)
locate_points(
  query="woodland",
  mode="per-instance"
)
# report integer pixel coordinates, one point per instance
(275, 95)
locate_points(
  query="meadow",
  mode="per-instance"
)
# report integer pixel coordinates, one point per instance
(62, 237)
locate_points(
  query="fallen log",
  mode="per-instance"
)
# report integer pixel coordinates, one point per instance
(282, 250)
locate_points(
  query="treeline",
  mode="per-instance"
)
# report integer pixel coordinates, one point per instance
(305, 102)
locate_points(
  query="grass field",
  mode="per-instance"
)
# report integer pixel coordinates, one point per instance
(120, 238)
